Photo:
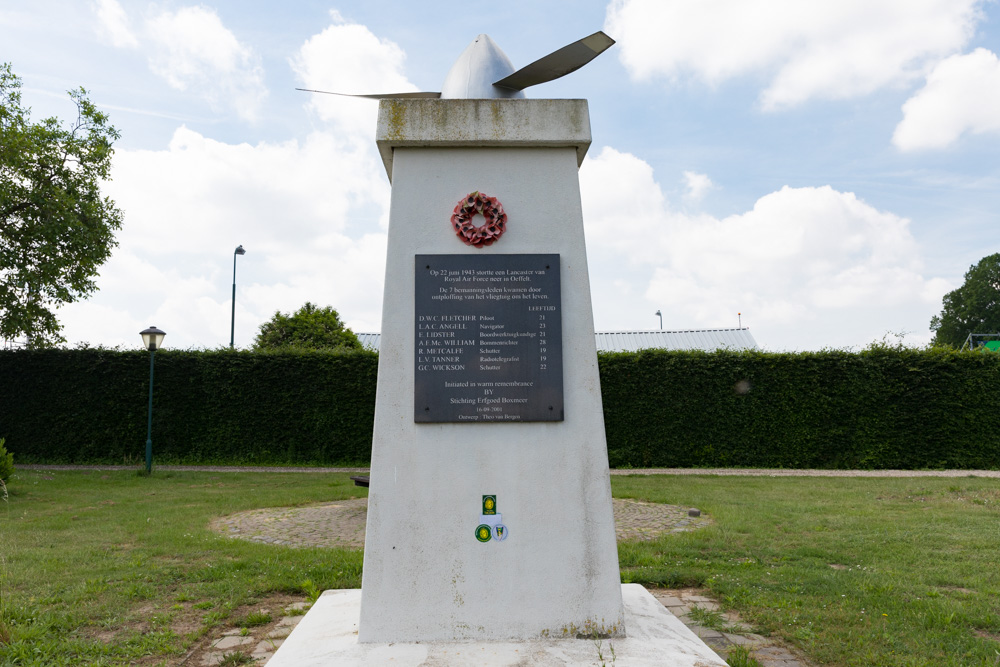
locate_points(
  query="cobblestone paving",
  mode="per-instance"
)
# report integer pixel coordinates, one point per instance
(342, 523)
(636, 520)
(256, 645)
(730, 632)
(336, 524)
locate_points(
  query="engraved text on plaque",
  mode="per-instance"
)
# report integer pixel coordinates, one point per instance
(488, 338)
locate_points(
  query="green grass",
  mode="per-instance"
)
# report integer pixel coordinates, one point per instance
(741, 656)
(253, 619)
(852, 571)
(711, 619)
(114, 568)
(117, 569)
(235, 658)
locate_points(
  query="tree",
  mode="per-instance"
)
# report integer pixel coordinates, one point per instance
(972, 308)
(310, 328)
(56, 229)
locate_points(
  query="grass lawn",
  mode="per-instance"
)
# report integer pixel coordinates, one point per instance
(114, 568)
(853, 571)
(103, 568)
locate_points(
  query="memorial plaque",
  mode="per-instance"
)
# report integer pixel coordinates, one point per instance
(488, 339)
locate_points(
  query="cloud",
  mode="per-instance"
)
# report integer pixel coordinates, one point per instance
(311, 215)
(826, 49)
(697, 186)
(193, 51)
(349, 58)
(803, 259)
(208, 190)
(114, 24)
(962, 95)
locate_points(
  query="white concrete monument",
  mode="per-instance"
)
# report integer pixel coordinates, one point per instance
(554, 571)
(490, 536)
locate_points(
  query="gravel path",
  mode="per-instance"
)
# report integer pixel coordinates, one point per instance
(784, 472)
(744, 472)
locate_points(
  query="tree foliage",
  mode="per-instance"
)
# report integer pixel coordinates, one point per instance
(972, 308)
(309, 328)
(6, 462)
(55, 227)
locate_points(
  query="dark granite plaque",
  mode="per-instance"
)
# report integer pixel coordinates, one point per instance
(488, 339)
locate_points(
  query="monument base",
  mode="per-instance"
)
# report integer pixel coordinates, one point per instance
(328, 635)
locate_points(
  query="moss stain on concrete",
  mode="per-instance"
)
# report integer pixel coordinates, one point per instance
(395, 119)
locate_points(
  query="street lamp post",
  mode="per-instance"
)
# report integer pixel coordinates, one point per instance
(152, 338)
(660, 315)
(232, 326)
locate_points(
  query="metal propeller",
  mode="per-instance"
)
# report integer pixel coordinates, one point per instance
(484, 71)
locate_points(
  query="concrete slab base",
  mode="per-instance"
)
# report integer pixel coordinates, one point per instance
(328, 635)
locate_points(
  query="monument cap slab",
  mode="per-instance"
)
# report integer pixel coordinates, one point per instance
(482, 123)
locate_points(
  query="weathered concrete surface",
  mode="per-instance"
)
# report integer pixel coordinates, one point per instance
(426, 577)
(482, 124)
(328, 636)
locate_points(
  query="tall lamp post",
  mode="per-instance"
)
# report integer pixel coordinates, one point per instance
(232, 326)
(660, 315)
(152, 338)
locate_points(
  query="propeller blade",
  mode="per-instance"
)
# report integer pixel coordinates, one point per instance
(558, 63)
(379, 96)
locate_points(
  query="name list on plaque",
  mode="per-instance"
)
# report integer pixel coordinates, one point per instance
(488, 339)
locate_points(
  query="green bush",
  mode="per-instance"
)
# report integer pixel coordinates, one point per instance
(881, 408)
(217, 406)
(6, 462)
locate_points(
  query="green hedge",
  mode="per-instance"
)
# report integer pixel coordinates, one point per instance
(89, 406)
(882, 408)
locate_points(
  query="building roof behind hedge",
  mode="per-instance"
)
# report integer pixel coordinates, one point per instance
(708, 340)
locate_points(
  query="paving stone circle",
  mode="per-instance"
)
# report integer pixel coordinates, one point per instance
(342, 523)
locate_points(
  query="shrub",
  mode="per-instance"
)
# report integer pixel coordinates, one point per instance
(6, 462)
(209, 407)
(879, 408)
(884, 407)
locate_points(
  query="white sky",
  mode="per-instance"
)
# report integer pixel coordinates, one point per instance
(828, 169)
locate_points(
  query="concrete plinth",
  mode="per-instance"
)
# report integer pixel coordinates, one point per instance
(328, 635)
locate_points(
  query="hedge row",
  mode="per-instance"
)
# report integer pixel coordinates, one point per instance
(882, 408)
(90, 406)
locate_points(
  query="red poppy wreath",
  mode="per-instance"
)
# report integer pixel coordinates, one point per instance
(494, 219)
